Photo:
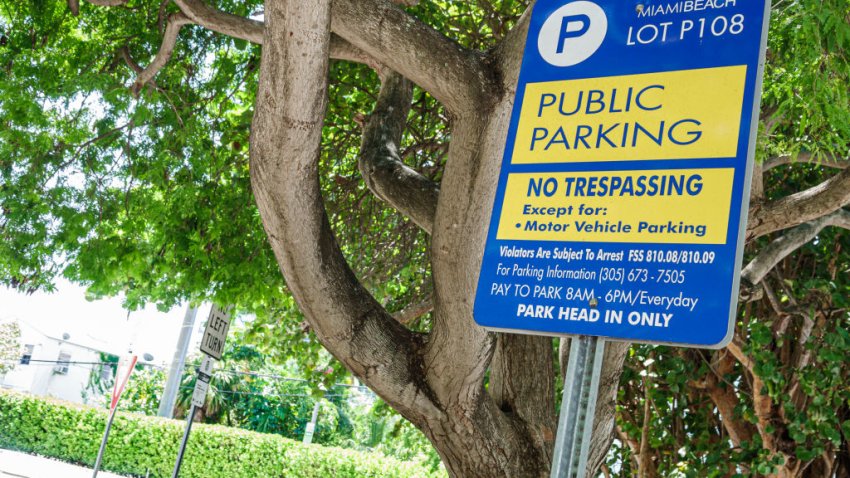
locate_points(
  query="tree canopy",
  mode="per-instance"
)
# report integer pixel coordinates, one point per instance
(137, 156)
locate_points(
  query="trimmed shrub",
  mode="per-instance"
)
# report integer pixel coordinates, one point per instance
(139, 444)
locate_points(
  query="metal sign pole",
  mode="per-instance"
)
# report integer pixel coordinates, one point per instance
(212, 346)
(185, 440)
(199, 395)
(103, 442)
(575, 425)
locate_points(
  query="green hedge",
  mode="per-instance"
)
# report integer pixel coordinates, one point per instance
(138, 444)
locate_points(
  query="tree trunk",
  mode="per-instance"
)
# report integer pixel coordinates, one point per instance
(438, 380)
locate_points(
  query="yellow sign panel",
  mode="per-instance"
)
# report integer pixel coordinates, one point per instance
(673, 115)
(676, 206)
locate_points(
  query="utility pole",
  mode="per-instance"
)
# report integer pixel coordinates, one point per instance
(175, 373)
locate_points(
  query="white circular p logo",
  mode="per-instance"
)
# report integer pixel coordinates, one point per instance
(572, 33)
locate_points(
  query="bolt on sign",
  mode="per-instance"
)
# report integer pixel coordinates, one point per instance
(215, 332)
(622, 199)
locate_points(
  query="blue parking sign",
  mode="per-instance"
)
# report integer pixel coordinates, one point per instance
(622, 200)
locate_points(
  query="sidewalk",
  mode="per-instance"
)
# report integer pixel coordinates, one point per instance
(15, 464)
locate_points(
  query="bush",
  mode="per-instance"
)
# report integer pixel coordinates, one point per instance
(138, 444)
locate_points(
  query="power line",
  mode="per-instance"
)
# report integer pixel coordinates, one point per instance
(55, 362)
(361, 388)
(236, 392)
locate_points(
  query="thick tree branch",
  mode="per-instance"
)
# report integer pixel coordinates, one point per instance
(736, 348)
(469, 179)
(199, 13)
(508, 53)
(457, 77)
(412, 312)
(757, 189)
(801, 207)
(522, 382)
(222, 22)
(108, 3)
(457, 241)
(830, 162)
(285, 147)
(452, 74)
(723, 395)
(633, 445)
(762, 403)
(789, 242)
(385, 174)
(379, 32)
(125, 54)
(724, 398)
(169, 40)
(646, 468)
(252, 30)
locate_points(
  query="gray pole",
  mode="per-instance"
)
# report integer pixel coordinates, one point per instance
(103, 442)
(175, 373)
(575, 426)
(183, 442)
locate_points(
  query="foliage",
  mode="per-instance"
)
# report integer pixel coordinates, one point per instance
(265, 398)
(805, 100)
(249, 393)
(98, 384)
(383, 430)
(142, 392)
(782, 403)
(789, 406)
(140, 444)
(10, 345)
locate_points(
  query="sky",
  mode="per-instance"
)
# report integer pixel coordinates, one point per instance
(101, 324)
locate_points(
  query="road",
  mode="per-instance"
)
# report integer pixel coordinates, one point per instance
(15, 464)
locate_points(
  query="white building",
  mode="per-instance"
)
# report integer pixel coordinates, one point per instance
(58, 367)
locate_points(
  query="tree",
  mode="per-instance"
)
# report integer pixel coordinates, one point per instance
(10, 345)
(157, 204)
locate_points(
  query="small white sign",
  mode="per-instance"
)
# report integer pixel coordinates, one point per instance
(218, 323)
(199, 396)
(206, 366)
(308, 433)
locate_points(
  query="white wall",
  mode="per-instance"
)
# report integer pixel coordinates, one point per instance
(41, 378)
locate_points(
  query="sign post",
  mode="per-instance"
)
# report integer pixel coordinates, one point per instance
(122, 376)
(212, 345)
(578, 405)
(622, 199)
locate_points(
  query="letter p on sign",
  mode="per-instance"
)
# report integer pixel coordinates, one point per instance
(566, 32)
(572, 33)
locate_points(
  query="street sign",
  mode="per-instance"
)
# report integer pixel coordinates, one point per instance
(122, 376)
(215, 332)
(622, 198)
(202, 384)
(199, 395)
